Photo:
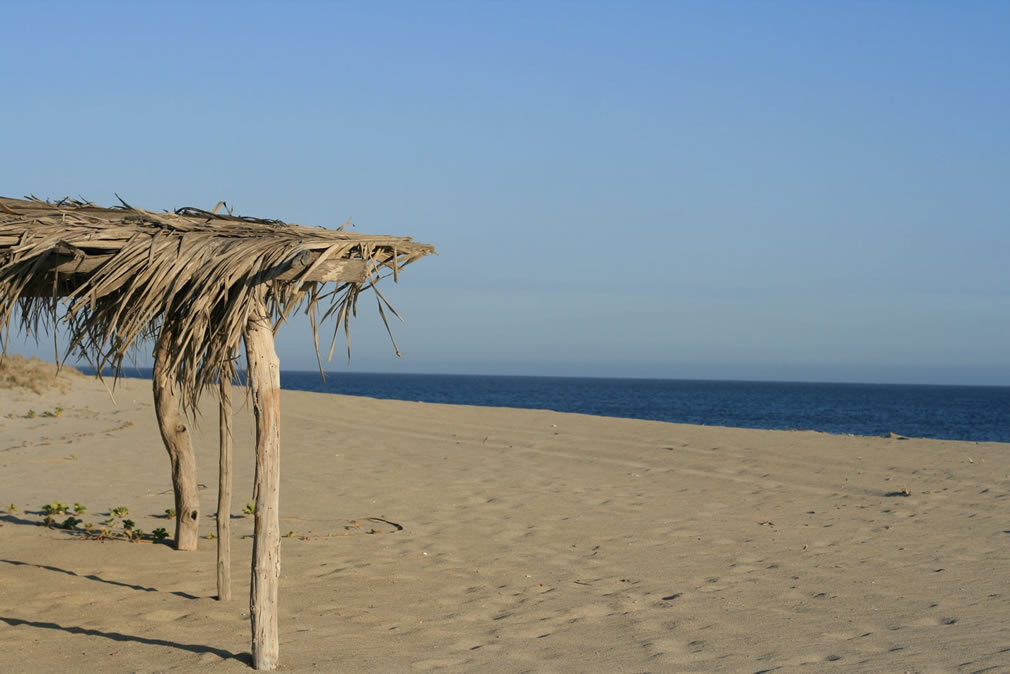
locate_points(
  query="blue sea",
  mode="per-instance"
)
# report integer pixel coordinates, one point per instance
(979, 413)
(976, 413)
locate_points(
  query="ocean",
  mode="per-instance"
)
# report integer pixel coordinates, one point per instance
(973, 413)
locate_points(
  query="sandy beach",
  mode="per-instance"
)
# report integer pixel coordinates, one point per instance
(429, 537)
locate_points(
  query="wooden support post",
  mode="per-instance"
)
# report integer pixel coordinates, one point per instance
(175, 434)
(224, 496)
(265, 381)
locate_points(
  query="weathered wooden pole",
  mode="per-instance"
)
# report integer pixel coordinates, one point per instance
(265, 383)
(224, 496)
(175, 434)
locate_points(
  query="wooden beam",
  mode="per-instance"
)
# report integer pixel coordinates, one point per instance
(74, 270)
(175, 434)
(343, 269)
(265, 383)
(224, 495)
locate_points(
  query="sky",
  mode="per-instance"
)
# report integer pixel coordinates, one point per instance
(719, 190)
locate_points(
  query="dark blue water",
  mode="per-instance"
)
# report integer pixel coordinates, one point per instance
(979, 413)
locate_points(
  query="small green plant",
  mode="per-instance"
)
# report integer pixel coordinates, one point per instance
(290, 534)
(12, 508)
(250, 508)
(170, 513)
(30, 415)
(130, 530)
(210, 537)
(55, 508)
(59, 515)
(56, 412)
(99, 535)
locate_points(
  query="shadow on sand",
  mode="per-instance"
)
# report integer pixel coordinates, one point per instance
(97, 579)
(14, 519)
(117, 636)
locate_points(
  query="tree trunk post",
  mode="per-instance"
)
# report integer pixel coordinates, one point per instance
(175, 434)
(224, 496)
(264, 380)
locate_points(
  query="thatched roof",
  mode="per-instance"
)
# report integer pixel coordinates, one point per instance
(115, 276)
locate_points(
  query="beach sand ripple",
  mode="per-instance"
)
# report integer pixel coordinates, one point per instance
(450, 538)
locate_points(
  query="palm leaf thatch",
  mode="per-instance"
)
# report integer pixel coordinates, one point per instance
(117, 277)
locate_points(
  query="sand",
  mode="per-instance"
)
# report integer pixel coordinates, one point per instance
(530, 541)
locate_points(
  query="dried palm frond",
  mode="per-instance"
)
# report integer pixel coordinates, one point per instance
(116, 277)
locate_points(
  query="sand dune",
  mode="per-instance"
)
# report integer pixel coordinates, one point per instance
(530, 541)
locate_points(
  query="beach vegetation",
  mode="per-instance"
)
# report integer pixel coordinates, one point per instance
(102, 534)
(115, 526)
(118, 525)
(132, 532)
(31, 414)
(55, 508)
(12, 508)
(35, 375)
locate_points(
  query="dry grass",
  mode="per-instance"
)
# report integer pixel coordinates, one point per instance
(35, 375)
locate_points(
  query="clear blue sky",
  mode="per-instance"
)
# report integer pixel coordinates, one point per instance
(752, 190)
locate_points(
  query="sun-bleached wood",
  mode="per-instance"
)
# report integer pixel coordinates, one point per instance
(342, 270)
(265, 383)
(176, 436)
(224, 495)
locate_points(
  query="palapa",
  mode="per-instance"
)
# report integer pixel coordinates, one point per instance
(197, 283)
(125, 274)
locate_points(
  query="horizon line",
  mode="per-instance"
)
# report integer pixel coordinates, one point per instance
(337, 374)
